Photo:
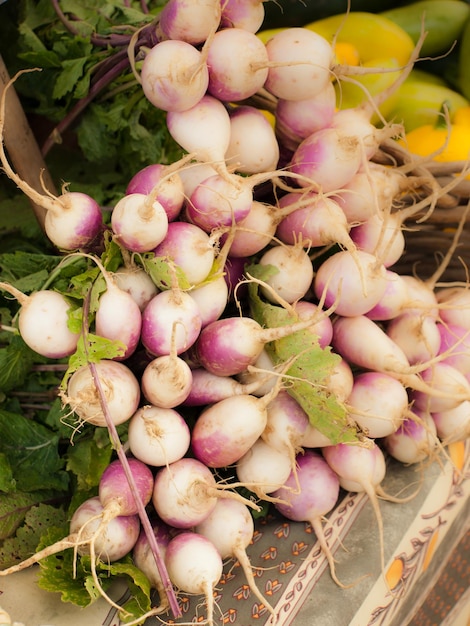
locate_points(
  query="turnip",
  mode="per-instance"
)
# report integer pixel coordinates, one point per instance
(168, 311)
(360, 469)
(158, 436)
(253, 147)
(246, 14)
(190, 248)
(143, 558)
(381, 235)
(416, 334)
(208, 388)
(191, 22)
(414, 441)
(327, 159)
(186, 491)
(455, 344)
(167, 182)
(453, 424)
(166, 381)
(139, 222)
(211, 299)
(353, 282)
(137, 283)
(317, 496)
(88, 535)
(43, 322)
(297, 119)
(362, 342)
(238, 64)
(300, 62)
(174, 75)
(446, 380)
(195, 566)
(73, 219)
(294, 273)
(394, 300)
(263, 469)
(229, 345)
(120, 388)
(226, 430)
(203, 130)
(314, 219)
(378, 403)
(230, 528)
(454, 305)
(255, 231)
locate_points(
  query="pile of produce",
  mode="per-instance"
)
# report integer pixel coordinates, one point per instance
(239, 327)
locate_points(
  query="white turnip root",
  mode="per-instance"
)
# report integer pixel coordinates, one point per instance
(174, 76)
(191, 22)
(137, 283)
(246, 14)
(414, 441)
(43, 322)
(158, 436)
(139, 222)
(263, 469)
(166, 381)
(120, 387)
(453, 424)
(238, 64)
(167, 183)
(316, 496)
(253, 147)
(211, 298)
(417, 334)
(230, 528)
(294, 275)
(195, 566)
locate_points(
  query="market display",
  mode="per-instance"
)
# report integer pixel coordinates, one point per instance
(235, 328)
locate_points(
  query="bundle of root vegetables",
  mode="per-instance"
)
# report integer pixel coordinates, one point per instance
(296, 285)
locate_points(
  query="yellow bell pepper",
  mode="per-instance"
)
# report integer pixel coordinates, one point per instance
(450, 143)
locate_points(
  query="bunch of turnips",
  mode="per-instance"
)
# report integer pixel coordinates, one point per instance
(255, 324)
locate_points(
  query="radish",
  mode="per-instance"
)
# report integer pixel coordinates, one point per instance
(43, 322)
(158, 436)
(185, 492)
(253, 147)
(294, 274)
(238, 64)
(353, 282)
(195, 566)
(174, 76)
(230, 528)
(120, 387)
(360, 469)
(317, 496)
(414, 441)
(192, 22)
(168, 184)
(300, 62)
(137, 283)
(246, 14)
(378, 403)
(168, 311)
